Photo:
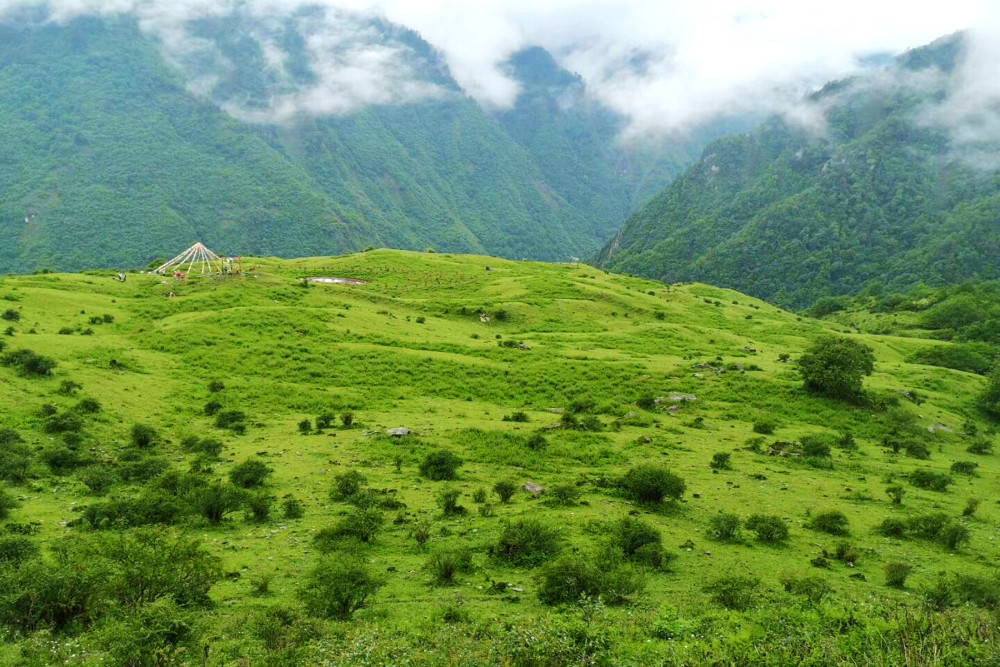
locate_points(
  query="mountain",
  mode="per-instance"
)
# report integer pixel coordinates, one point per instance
(883, 194)
(117, 151)
(213, 469)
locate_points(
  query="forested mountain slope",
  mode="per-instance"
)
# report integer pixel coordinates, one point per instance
(110, 159)
(883, 194)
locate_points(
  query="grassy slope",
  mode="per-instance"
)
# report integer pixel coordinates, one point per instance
(286, 353)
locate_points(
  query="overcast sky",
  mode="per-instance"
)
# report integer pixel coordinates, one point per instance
(666, 65)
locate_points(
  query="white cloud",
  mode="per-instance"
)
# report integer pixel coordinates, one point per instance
(666, 65)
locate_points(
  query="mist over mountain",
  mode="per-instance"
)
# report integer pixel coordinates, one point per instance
(118, 150)
(896, 183)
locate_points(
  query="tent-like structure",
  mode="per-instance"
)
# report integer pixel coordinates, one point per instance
(194, 257)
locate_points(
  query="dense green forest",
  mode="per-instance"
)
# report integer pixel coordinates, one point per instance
(783, 214)
(110, 160)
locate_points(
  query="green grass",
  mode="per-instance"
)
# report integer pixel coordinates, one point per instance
(286, 353)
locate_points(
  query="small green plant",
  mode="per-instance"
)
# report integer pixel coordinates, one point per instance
(479, 496)
(896, 574)
(769, 529)
(249, 474)
(336, 587)
(930, 480)
(833, 522)
(526, 542)
(721, 461)
(895, 493)
(565, 495)
(971, 505)
(726, 527)
(813, 589)
(346, 485)
(292, 508)
(447, 563)
(505, 490)
(305, 427)
(764, 427)
(652, 484)
(448, 501)
(440, 466)
(737, 593)
(967, 468)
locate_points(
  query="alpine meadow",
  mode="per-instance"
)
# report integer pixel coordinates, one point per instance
(609, 333)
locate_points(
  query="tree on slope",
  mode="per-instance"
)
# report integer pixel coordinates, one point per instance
(835, 366)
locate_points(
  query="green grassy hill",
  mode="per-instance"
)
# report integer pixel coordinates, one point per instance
(559, 389)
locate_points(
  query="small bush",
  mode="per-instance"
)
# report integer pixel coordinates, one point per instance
(736, 593)
(249, 474)
(258, 506)
(98, 479)
(337, 587)
(967, 468)
(346, 419)
(215, 386)
(980, 446)
(144, 436)
(817, 446)
(896, 574)
(721, 461)
(764, 427)
(305, 427)
(15, 549)
(833, 522)
(505, 490)
(346, 485)
(571, 579)
(971, 505)
(292, 508)
(726, 527)
(7, 504)
(479, 496)
(88, 406)
(362, 524)
(769, 529)
(445, 564)
(929, 480)
(440, 466)
(234, 420)
(564, 494)
(448, 501)
(814, 589)
(519, 417)
(11, 315)
(895, 493)
(537, 442)
(214, 502)
(29, 363)
(953, 535)
(652, 484)
(891, 528)
(526, 542)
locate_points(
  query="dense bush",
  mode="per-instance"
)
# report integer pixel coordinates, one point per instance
(292, 508)
(29, 363)
(505, 490)
(891, 528)
(564, 494)
(448, 501)
(896, 574)
(835, 366)
(769, 529)
(980, 446)
(15, 549)
(895, 493)
(362, 525)
(445, 564)
(98, 479)
(7, 504)
(814, 589)
(726, 527)
(652, 484)
(39, 595)
(930, 480)
(249, 474)
(234, 420)
(721, 461)
(347, 484)
(526, 542)
(816, 445)
(214, 502)
(735, 592)
(833, 522)
(144, 436)
(440, 465)
(571, 578)
(148, 508)
(336, 587)
(764, 426)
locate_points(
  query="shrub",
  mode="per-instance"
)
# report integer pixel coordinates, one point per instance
(964, 468)
(216, 501)
(835, 366)
(571, 579)
(564, 494)
(88, 406)
(833, 522)
(258, 506)
(815, 446)
(726, 527)
(144, 436)
(347, 420)
(479, 496)
(155, 634)
(736, 593)
(770, 529)
(980, 446)
(337, 587)
(39, 595)
(814, 589)
(929, 480)
(519, 417)
(362, 524)
(440, 465)
(526, 542)
(896, 493)
(971, 505)
(98, 479)
(448, 500)
(537, 442)
(652, 484)
(990, 398)
(15, 549)
(62, 460)
(234, 420)
(721, 461)
(953, 535)
(11, 315)
(305, 427)
(64, 422)
(891, 528)
(505, 490)
(215, 386)
(445, 564)
(249, 474)
(29, 363)
(638, 541)
(7, 503)
(896, 574)
(346, 485)
(764, 427)
(292, 508)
